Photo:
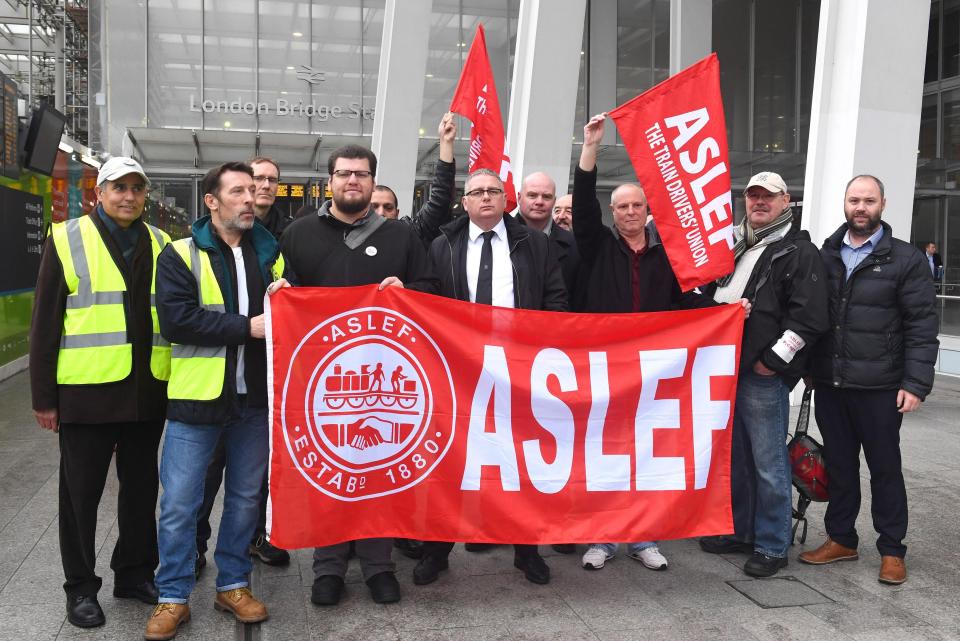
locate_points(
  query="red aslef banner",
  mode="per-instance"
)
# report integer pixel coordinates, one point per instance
(401, 414)
(475, 98)
(676, 137)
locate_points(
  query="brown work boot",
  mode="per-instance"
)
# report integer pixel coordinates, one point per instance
(243, 605)
(166, 618)
(829, 552)
(893, 571)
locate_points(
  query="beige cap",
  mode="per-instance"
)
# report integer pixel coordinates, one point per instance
(118, 167)
(768, 180)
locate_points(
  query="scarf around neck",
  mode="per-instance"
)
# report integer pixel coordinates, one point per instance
(748, 237)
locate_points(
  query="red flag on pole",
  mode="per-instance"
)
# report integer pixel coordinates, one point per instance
(476, 100)
(676, 137)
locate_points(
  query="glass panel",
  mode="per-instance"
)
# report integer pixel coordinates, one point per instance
(731, 24)
(173, 59)
(809, 33)
(661, 35)
(336, 50)
(951, 124)
(775, 79)
(229, 74)
(289, 82)
(928, 127)
(950, 249)
(635, 41)
(951, 38)
(932, 68)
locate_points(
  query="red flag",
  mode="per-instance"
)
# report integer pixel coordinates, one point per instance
(677, 140)
(476, 99)
(388, 422)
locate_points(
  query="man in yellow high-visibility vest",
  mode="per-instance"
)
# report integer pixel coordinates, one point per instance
(98, 372)
(210, 291)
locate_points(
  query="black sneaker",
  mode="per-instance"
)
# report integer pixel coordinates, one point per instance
(269, 554)
(724, 545)
(326, 590)
(760, 565)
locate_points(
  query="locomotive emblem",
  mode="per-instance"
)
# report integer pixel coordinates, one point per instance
(366, 423)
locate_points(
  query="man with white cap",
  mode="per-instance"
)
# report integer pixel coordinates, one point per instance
(779, 271)
(98, 375)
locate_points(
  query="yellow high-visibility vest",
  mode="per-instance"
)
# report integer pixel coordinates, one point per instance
(94, 346)
(196, 372)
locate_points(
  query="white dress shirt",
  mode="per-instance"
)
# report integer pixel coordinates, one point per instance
(502, 267)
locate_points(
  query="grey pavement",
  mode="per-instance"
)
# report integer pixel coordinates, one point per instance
(482, 597)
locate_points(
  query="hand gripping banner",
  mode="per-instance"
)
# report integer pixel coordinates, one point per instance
(401, 414)
(677, 141)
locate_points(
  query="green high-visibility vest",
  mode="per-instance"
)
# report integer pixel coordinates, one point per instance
(94, 346)
(196, 372)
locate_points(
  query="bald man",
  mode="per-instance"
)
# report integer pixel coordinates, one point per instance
(538, 194)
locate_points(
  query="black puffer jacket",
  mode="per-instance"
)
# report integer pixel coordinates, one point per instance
(537, 279)
(883, 324)
(787, 289)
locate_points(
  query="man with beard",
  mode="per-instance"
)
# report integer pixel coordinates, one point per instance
(537, 198)
(210, 289)
(266, 177)
(563, 212)
(345, 244)
(779, 270)
(873, 366)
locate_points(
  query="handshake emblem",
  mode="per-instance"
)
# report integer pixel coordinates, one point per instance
(369, 431)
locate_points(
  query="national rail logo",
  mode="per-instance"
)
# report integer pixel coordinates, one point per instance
(376, 414)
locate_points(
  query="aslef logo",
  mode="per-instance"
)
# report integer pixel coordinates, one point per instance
(311, 75)
(366, 424)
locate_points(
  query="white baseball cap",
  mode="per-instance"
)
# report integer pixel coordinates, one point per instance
(118, 167)
(768, 180)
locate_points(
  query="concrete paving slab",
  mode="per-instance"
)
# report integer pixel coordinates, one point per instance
(778, 592)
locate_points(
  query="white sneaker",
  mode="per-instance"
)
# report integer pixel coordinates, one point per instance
(650, 557)
(595, 557)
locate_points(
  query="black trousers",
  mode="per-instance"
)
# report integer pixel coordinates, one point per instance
(442, 549)
(850, 419)
(85, 454)
(211, 485)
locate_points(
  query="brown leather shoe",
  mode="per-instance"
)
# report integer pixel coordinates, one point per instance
(166, 618)
(893, 571)
(829, 552)
(242, 604)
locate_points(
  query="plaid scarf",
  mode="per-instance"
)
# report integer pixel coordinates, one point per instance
(748, 237)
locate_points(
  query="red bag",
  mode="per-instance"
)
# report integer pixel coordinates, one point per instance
(808, 467)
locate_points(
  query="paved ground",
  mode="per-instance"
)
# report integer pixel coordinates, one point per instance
(483, 597)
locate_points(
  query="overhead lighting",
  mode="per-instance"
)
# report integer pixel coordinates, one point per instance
(422, 131)
(65, 148)
(226, 124)
(429, 75)
(290, 67)
(90, 160)
(297, 34)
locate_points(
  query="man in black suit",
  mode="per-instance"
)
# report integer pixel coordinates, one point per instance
(488, 258)
(538, 195)
(934, 262)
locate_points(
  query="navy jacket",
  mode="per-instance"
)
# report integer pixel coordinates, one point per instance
(182, 320)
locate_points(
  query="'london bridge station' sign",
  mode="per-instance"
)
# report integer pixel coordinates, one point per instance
(282, 107)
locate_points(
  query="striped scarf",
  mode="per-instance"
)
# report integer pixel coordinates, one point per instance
(748, 237)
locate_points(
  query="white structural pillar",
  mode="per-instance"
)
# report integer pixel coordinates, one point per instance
(543, 96)
(396, 121)
(691, 32)
(865, 118)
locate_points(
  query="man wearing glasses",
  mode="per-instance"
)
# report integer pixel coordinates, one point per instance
(346, 244)
(266, 178)
(492, 259)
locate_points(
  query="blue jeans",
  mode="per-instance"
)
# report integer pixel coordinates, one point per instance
(611, 548)
(187, 449)
(760, 468)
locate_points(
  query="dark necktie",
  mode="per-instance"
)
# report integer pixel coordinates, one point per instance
(485, 277)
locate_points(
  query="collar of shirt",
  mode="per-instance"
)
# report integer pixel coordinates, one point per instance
(871, 242)
(325, 212)
(500, 230)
